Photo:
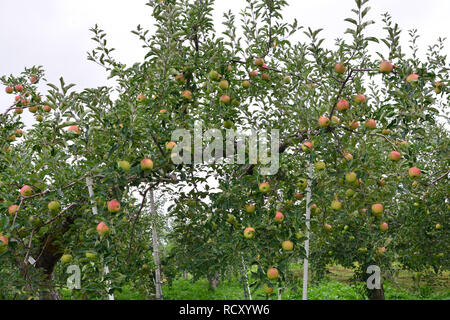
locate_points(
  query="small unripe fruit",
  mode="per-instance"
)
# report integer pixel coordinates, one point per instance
(180, 79)
(354, 125)
(320, 166)
(141, 98)
(91, 255)
(336, 205)
(439, 226)
(33, 109)
(214, 75)
(386, 67)
(228, 124)
(343, 105)
(350, 193)
(287, 245)
(19, 111)
(348, 156)
(438, 87)
(327, 227)
(265, 76)
(39, 118)
(254, 73)
(335, 120)
(287, 80)
(414, 172)
(249, 233)
(124, 165)
(113, 206)
(246, 84)
(302, 184)
(267, 289)
(395, 156)
(272, 274)
(146, 164)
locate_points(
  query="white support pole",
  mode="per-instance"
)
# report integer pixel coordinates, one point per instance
(308, 226)
(89, 185)
(244, 268)
(155, 240)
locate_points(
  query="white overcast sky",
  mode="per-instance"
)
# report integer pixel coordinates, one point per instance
(55, 33)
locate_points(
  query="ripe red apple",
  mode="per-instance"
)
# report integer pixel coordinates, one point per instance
(353, 125)
(102, 229)
(272, 274)
(146, 164)
(360, 98)
(47, 108)
(307, 146)
(377, 209)
(412, 78)
(19, 111)
(298, 196)
(383, 227)
(279, 217)
(141, 98)
(386, 67)
(187, 95)
(9, 90)
(54, 206)
(324, 121)
(340, 68)
(343, 105)
(250, 208)
(371, 124)
(225, 99)
(395, 156)
(287, 245)
(113, 206)
(26, 191)
(19, 88)
(4, 240)
(414, 172)
(249, 233)
(264, 187)
(259, 62)
(224, 84)
(13, 209)
(74, 129)
(254, 73)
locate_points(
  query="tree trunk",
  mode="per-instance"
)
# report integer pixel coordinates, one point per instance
(156, 248)
(376, 294)
(214, 280)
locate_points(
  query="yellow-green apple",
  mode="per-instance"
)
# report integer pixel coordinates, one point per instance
(272, 274)
(384, 227)
(249, 233)
(395, 156)
(279, 217)
(267, 289)
(302, 184)
(386, 67)
(350, 193)
(54, 206)
(348, 156)
(91, 255)
(26, 191)
(335, 120)
(324, 121)
(141, 97)
(439, 226)
(340, 68)
(287, 245)
(19, 111)
(360, 98)
(66, 258)
(377, 209)
(350, 177)
(225, 99)
(438, 87)
(114, 206)
(170, 145)
(343, 105)
(33, 109)
(124, 165)
(259, 62)
(264, 187)
(39, 118)
(228, 124)
(250, 208)
(102, 229)
(320, 166)
(214, 75)
(246, 84)
(146, 164)
(336, 205)
(287, 80)
(9, 90)
(414, 172)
